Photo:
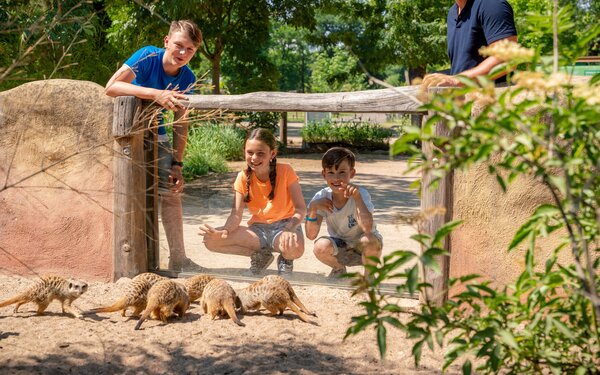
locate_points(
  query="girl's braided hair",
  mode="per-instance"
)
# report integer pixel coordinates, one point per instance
(265, 136)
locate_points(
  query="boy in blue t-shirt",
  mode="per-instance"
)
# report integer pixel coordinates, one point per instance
(162, 75)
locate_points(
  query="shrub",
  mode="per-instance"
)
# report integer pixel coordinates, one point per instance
(354, 133)
(546, 321)
(209, 147)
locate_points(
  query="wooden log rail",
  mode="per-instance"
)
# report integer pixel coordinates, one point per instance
(133, 251)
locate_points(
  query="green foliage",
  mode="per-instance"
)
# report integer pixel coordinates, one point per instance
(209, 147)
(547, 320)
(416, 32)
(267, 120)
(53, 39)
(336, 71)
(355, 133)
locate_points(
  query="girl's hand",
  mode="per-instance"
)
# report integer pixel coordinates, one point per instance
(351, 191)
(288, 240)
(209, 232)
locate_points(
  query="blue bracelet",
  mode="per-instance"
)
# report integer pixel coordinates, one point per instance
(310, 218)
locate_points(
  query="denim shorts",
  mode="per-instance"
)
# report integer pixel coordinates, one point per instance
(267, 233)
(348, 254)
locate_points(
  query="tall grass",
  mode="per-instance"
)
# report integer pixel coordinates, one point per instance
(209, 147)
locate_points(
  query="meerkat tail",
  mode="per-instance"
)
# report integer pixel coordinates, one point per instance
(117, 306)
(295, 309)
(230, 309)
(296, 300)
(143, 317)
(12, 300)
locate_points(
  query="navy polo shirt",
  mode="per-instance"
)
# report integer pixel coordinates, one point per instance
(479, 24)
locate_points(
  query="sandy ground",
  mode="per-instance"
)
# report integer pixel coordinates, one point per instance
(107, 343)
(57, 343)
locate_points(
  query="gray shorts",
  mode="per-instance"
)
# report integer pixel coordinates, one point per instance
(165, 160)
(267, 233)
(346, 253)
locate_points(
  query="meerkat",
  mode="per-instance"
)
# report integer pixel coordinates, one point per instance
(219, 299)
(135, 295)
(47, 289)
(275, 294)
(165, 298)
(195, 285)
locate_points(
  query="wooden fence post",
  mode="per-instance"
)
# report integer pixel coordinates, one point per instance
(431, 200)
(283, 125)
(129, 242)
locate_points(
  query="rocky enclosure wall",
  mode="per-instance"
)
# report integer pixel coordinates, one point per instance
(56, 180)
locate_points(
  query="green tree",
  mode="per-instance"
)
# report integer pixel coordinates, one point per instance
(53, 39)
(289, 51)
(335, 70)
(416, 34)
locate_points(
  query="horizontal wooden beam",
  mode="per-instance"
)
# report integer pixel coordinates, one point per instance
(392, 100)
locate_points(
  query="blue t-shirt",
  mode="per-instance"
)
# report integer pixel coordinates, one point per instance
(479, 24)
(147, 65)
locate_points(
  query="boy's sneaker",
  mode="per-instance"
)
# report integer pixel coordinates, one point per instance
(284, 265)
(259, 261)
(337, 273)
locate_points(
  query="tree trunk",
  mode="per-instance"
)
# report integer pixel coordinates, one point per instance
(411, 73)
(216, 73)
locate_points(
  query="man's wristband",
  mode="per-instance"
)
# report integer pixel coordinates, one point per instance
(178, 163)
(313, 219)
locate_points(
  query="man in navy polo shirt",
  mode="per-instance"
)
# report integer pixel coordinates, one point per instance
(473, 24)
(162, 75)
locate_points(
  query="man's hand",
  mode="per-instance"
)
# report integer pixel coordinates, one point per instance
(176, 179)
(438, 79)
(170, 100)
(209, 232)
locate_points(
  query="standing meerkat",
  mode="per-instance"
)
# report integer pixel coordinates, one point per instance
(135, 295)
(219, 299)
(195, 285)
(275, 294)
(47, 289)
(165, 298)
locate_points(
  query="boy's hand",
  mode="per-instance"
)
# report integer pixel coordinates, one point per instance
(209, 232)
(322, 204)
(170, 100)
(350, 191)
(176, 179)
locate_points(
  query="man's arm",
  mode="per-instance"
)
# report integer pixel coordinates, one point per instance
(120, 85)
(484, 68)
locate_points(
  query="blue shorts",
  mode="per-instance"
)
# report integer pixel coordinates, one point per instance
(267, 233)
(348, 253)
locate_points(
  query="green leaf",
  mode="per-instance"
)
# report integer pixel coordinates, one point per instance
(381, 339)
(508, 339)
(445, 230)
(467, 367)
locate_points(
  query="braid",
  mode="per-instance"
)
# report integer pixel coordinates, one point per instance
(272, 177)
(248, 179)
